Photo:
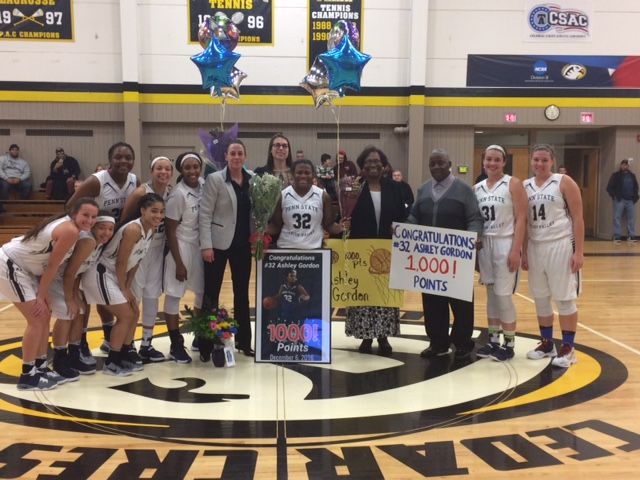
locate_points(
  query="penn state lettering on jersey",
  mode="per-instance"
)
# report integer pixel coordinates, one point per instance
(496, 206)
(111, 196)
(301, 216)
(548, 214)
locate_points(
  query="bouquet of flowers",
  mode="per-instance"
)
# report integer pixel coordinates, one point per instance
(264, 192)
(350, 189)
(212, 324)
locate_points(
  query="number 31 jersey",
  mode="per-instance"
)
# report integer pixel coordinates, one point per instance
(496, 207)
(548, 213)
(302, 219)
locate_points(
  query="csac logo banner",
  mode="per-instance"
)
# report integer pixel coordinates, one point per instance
(558, 21)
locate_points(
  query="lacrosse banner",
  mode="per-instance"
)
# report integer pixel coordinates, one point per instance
(36, 20)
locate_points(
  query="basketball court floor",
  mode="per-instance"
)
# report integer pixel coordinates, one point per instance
(360, 417)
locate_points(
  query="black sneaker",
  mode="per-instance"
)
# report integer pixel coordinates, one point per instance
(150, 354)
(112, 368)
(63, 369)
(503, 354)
(133, 367)
(178, 354)
(105, 347)
(51, 375)
(434, 352)
(37, 381)
(194, 345)
(86, 356)
(81, 367)
(488, 350)
(133, 357)
(463, 353)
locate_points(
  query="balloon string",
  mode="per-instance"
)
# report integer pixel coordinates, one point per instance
(223, 106)
(336, 116)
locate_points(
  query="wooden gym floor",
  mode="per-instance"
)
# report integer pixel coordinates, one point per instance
(362, 417)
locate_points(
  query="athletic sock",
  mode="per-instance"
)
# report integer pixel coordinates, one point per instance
(494, 334)
(546, 333)
(568, 337)
(509, 338)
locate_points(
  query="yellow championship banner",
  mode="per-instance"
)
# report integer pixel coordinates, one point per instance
(360, 274)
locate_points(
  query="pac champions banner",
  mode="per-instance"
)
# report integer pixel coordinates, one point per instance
(293, 307)
(439, 261)
(360, 274)
(564, 71)
(36, 20)
(255, 29)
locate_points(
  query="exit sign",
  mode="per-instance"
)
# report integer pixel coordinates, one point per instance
(586, 117)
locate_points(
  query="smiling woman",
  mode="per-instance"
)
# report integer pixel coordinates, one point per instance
(303, 211)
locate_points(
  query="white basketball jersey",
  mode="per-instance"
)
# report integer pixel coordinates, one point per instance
(112, 197)
(110, 253)
(183, 206)
(496, 207)
(548, 213)
(33, 255)
(91, 259)
(302, 219)
(159, 235)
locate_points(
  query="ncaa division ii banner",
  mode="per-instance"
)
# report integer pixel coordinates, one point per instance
(255, 29)
(322, 15)
(36, 20)
(566, 71)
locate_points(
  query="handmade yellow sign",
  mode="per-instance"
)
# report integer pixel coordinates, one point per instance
(360, 274)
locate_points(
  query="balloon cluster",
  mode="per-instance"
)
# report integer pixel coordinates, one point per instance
(218, 35)
(339, 68)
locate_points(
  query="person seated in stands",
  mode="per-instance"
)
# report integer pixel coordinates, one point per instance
(326, 175)
(15, 174)
(65, 170)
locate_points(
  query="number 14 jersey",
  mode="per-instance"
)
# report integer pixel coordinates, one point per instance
(548, 213)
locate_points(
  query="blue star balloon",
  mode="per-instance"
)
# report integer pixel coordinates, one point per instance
(344, 64)
(216, 65)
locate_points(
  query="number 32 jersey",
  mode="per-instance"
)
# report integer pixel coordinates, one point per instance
(496, 207)
(548, 213)
(302, 219)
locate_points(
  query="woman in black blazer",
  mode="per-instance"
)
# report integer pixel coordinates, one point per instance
(379, 205)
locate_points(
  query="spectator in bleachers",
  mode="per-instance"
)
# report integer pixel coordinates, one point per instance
(15, 174)
(64, 172)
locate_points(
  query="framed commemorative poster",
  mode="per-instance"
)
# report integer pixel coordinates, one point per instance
(293, 307)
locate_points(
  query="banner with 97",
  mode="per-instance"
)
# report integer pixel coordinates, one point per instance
(36, 20)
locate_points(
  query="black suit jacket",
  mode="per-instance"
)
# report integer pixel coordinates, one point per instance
(363, 218)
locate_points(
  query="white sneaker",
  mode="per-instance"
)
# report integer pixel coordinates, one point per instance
(631, 240)
(545, 349)
(565, 358)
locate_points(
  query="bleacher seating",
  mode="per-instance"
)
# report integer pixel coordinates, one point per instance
(20, 215)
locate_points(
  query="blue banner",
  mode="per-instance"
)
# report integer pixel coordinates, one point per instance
(559, 71)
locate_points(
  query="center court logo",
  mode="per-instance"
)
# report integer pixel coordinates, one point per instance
(574, 71)
(353, 398)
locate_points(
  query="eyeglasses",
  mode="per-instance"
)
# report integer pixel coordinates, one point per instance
(283, 146)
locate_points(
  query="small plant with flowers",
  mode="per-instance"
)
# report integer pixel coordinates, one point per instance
(212, 324)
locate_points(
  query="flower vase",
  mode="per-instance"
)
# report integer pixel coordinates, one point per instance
(217, 356)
